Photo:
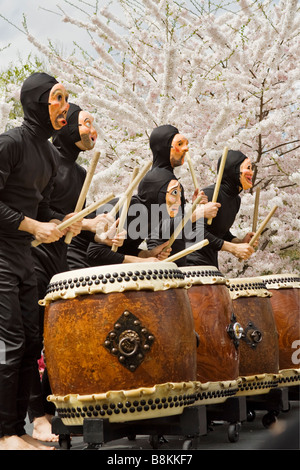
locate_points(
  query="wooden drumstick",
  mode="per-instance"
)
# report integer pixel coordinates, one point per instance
(135, 181)
(262, 226)
(80, 215)
(255, 213)
(187, 156)
(125, 208)
(219, 179)
(180, 226)
(187, 251)
(84, 190)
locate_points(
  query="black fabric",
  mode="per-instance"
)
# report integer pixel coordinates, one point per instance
(65, 139)
(19, 334)
(153, 188)
(219, 230)
(83, 252)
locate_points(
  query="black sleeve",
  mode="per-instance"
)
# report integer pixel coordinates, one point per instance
(10, 219)
(45, 212)
(99, 254)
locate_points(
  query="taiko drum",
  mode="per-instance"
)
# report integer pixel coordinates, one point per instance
(217, 352)
(285, 290)
(117, 328)
(259, 353)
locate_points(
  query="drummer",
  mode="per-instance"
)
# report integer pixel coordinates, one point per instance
(78, 135)
(237, 177)
(161, 190)
(27, 168)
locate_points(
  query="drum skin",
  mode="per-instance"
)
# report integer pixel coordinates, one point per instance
(286, 308)
(76, 331)
(256, 314)
(217, 357)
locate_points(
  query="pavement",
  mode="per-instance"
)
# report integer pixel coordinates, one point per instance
(252, 434)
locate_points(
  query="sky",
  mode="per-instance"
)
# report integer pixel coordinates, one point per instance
(42, 24)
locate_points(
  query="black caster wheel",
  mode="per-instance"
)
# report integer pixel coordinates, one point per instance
(234, 432)
(65, 441)
(154, 441)
(187, 445)
(269, 419)
(190, 443)
(251, 415)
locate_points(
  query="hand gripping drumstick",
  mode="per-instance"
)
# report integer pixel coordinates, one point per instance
(135, 181)
(125, 208)
(181, 225)
(80, 215)
(187, 155)
(84, 190)
(255, 213)
(261, 227)
(219, 179)
(187, 251)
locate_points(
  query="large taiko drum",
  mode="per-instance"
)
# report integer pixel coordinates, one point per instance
(111, 329)
(259, 353)
(285, 302)
(215, 325)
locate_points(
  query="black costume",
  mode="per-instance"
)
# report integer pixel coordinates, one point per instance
(219, 230)
(27, 166)
(51, 258)
(83, 252)
(152, 191)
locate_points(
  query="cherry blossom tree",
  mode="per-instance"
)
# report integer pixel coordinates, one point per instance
(225, 75)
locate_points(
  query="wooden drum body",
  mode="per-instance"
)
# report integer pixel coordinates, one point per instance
(259, 352)
(217, 352)
(285, 301)
(118, 327)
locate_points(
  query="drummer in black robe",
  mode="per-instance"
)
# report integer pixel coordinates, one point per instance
(27, 169)
(237, 176)
(162, 193)
(78, 135)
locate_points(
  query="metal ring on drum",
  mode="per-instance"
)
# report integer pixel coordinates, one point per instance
(118, 327)
(259, 352)
(285, 301)
(217, 330)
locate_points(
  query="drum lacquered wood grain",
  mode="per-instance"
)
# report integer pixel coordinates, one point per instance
(217, 355)
(118, 327)
(285, 301)
(259, 349)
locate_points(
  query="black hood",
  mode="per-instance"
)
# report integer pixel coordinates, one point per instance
(34, 98)
(65, 139)
(160, 144)
(231, 176)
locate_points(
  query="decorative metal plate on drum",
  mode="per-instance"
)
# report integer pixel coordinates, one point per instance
(129, 341)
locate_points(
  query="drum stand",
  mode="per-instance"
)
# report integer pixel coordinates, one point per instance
(232, 411)
(96, 432)
(274, 402)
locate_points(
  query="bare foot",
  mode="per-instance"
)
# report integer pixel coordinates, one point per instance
(42, 429)
(15, 443)
(34, 443)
